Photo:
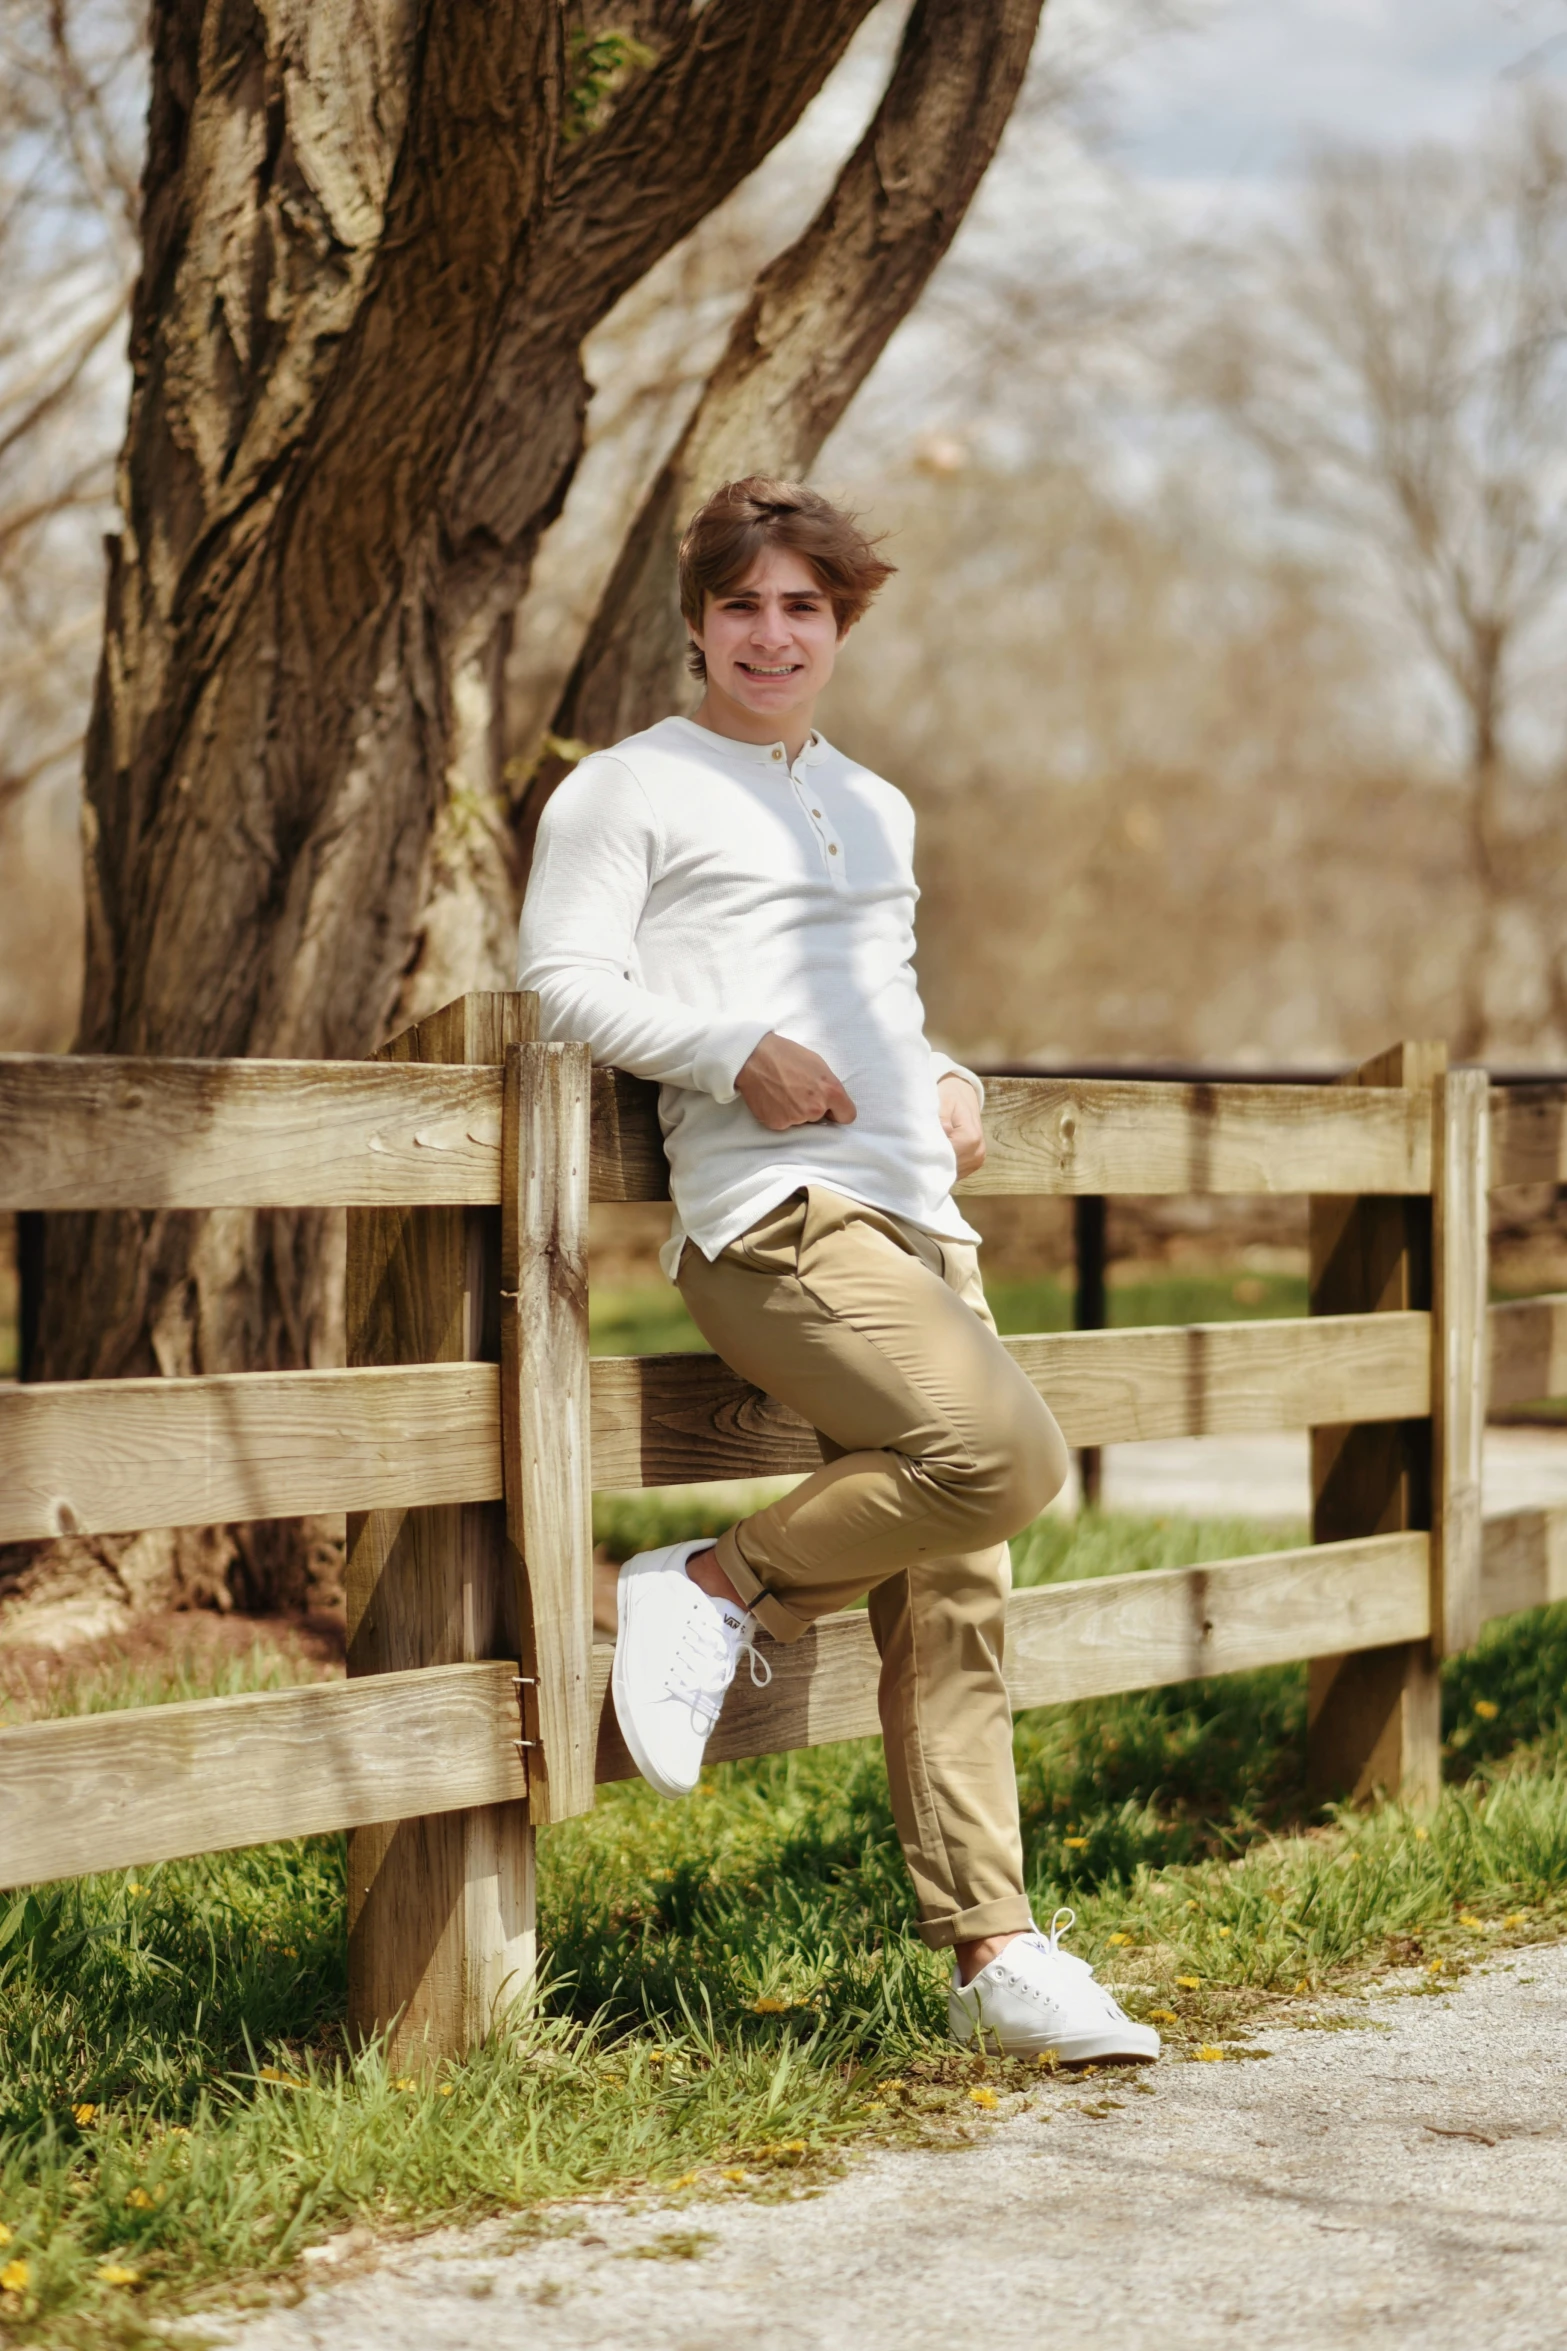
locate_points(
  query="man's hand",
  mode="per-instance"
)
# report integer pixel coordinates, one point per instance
(787, 1085)
(960, 1122)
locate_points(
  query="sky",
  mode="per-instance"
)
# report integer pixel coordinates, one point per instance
(1216, 114)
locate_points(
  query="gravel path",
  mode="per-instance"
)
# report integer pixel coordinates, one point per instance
(1400, 2184)
(1270, 1477)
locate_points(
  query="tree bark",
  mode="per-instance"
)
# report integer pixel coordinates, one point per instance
(369, 260)
(375, 235)
(819, 318)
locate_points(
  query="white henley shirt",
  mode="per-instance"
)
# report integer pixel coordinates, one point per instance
(689, 893)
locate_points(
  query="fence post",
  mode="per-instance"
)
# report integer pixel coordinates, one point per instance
(1460, 1203)
(546, 1410)
(440, 1910)
(1088, 1314)
(1374, 1715)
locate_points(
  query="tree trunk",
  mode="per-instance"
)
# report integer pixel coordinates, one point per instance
(818, 320)
(371, 252)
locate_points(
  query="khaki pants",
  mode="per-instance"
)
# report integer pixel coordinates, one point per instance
(938, 1448)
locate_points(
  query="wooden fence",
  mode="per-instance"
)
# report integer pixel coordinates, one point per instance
(468, 1433)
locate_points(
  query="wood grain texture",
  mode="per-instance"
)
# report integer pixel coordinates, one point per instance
(547, 1409)
(1527, 1345)
(670, 1419)
(1374, 1713)
(103, 1791)
(1080, 1135)
(107, 1132)
(108, 1456)
(1087, 1640)
(1461, 1153)
(628, 1142)
(1529, 1134)
(85, 1132)
(440, 1906)
(1070, 1135)
(1523, 1561)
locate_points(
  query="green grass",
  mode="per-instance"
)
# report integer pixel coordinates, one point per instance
(736, 1988)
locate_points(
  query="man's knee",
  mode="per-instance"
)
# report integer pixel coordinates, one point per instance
(1037, 1464)
(1017, 1466)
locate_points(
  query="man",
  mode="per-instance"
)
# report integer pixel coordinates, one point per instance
(725, 903)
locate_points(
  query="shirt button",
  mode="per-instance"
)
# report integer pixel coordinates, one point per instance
(777, 754)
(816, 812)
(832, 848)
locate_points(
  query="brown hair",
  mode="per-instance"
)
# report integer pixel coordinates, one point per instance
(730, 529)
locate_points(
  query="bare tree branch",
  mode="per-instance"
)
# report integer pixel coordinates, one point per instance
(818, 319)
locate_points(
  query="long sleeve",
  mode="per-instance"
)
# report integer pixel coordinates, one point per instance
(944, 1066)
(596, 862)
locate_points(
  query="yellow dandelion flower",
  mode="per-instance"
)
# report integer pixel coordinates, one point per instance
(768, 2006)
(1208, 2055)
(84, 2113)
(736, 2175)
(1516, 1918)
(134, 1888)
(1163, 2016)
(445, 2090)
(1422, 1835)
(5, 2234)
(1224, 1934)
(1467, 1918)
(1121, 1942)
(1050, 2057)
(1304, 1984)
(14, 2277)
(791, 2147)
(1487, 1709)
(139, 2198)
(984, 2098)
(897, 2083)
(1190, 1983)
(1075, 1844)
(115, 2273)
(404, 2081)
(655, 2057)
(687, 2179)
(289, 1951)
(1436, 1967)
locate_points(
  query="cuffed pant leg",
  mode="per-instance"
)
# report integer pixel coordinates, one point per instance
(947, 1726)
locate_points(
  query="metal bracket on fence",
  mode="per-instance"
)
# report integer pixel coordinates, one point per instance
(523, 1681)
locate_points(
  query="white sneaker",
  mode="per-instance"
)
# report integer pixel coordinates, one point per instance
(676, 1653)
(1037, 2000)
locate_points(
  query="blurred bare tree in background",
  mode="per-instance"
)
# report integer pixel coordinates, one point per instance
(1398, 353)
(72, 90)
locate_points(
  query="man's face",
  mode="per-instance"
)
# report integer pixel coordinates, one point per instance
(771, 642)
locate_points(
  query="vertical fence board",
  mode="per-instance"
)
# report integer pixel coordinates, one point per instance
(546, 1408)
(441, 1914)
(1374, 1715)
(1460, 1174)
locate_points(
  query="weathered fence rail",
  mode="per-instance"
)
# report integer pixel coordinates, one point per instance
(470, 1429)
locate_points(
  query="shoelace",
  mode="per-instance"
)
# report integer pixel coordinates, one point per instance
(1049, 1939)
(704, 1651)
